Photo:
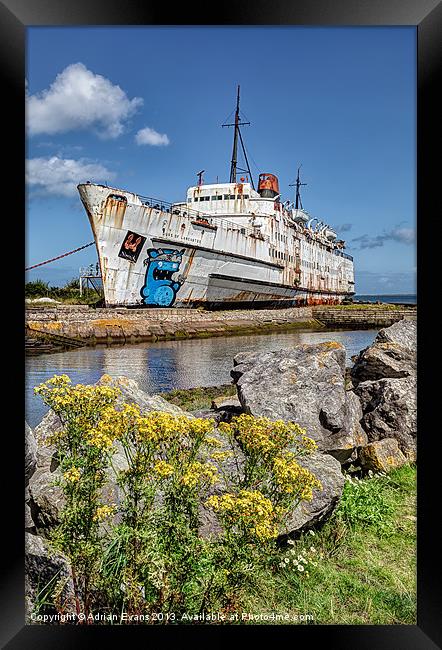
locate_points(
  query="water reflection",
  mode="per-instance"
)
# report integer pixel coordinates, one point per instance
(171, 364)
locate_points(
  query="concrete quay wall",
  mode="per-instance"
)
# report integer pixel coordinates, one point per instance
(364, 318)
(133, 325)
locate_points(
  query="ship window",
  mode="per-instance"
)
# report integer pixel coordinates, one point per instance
(117, 197)
(226, 196)
(232, 196)
(246, 196)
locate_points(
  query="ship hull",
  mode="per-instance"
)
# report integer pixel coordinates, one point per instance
(151, 257)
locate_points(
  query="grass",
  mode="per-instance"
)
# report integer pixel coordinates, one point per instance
(367, 573)
(195, 399)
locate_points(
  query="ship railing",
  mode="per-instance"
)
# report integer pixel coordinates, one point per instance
(341, 254)
(226, 224)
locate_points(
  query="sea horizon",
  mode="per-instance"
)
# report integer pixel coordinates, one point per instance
(406, 298)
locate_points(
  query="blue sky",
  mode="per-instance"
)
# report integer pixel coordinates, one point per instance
(142, 108)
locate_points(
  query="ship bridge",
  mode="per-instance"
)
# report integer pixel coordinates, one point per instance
(227, 199)
(221, 198)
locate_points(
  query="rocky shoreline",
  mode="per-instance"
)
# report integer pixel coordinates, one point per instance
(366, 420)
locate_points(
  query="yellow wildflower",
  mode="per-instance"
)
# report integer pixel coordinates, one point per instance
(221, 455)
(266, 437)
(199, 473)
(103, 512)
(250, 510)
(163, 469)
(213, 442)
(291, 478)
(72, 475)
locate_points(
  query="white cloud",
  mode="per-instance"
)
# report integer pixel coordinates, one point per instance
(80, 99)
(399, 234)
(403, 235)
(60, 176)
(152, 137)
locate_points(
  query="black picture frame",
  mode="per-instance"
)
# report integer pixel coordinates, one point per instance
(426, 16)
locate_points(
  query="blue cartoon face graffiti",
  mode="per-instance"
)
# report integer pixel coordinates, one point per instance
(160, 288)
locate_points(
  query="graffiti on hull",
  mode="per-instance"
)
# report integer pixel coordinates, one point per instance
(160, 288)
(131, 246)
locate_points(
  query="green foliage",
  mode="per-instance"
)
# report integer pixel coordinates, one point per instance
(37, 289)
(364, 502)
(70, 293)
(193, 399)
(73, 284)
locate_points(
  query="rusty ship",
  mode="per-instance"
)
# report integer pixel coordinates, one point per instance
(228, 245)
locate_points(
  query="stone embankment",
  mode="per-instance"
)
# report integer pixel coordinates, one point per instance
(365, 317)
(67, 326)
(120, 325)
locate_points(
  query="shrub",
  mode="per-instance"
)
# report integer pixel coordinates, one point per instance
(37, 289)
(146, 553)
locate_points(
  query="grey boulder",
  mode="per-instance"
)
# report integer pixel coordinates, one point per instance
(30, 452)
(310, 513)
(131, 393)
(381, 455)
(43, 570)
(306, 385)
(392, 355)
(389, 411)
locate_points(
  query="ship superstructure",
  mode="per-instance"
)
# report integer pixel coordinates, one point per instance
(228, 245)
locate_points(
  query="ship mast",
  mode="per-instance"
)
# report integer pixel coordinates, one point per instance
(298, 184)
(237, 135)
